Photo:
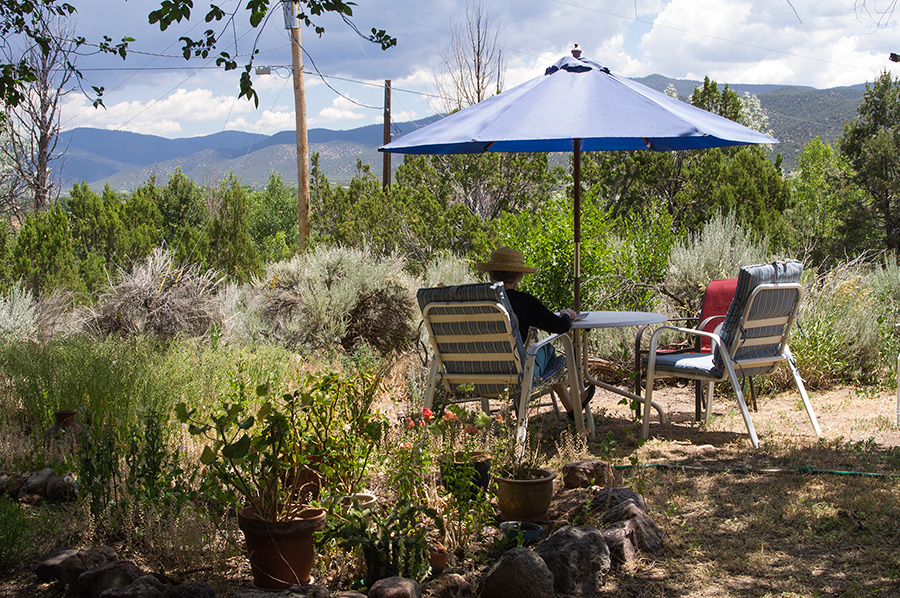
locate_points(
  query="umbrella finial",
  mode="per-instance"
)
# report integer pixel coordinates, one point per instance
(576, 51)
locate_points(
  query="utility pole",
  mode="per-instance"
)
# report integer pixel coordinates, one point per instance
(386, 156)
(291, 10)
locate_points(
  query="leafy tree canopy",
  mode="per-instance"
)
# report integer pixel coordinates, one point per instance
(24, 18)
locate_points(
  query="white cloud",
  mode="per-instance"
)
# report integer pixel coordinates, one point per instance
(267, 122)
(162, 117)
(340, 109)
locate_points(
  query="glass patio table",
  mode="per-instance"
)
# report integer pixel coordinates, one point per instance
(590, 320)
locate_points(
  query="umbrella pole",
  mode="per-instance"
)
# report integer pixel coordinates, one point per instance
(576, 168)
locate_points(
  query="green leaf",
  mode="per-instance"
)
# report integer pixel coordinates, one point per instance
(181, 412)
(207, 456)
(237, 450)
(263, 390)
(247, 423)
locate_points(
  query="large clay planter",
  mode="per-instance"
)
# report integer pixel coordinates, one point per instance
(281, 552)
(525, 500)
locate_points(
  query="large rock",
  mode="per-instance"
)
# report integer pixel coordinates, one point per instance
(520, 572)
(35, 488)
(93, 582)
(578, 559)
(582, 474)
(607, 498)
(395, 587)
(648, 535)
(66, 564)
(146, 586)
(621, 541)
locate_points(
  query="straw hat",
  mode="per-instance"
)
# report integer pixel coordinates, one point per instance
(504, 259)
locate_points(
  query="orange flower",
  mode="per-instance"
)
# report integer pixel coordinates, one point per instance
(406, 445)
(449, 416)
(428, 414)
(410, 423)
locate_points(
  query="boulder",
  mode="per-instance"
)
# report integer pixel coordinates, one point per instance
(582, 474)
(646, 532)
(621, 541)
(607, 498)
(146, 586)
(395, 587)
(66, 564)
(93, 582)
(309, 590)
(578, 559)
(520, 572)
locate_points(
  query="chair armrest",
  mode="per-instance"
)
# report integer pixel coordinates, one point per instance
(654, 340)
(533, 348)
(638, 351)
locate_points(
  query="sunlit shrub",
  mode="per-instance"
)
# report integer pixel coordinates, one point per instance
(335, 296)
(717, 251)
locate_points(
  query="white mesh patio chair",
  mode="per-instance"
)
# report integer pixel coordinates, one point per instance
(752, 341)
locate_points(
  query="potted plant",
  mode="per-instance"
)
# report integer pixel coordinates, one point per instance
(524, 490)
(464, 467)
(269, 451)
(393, 542)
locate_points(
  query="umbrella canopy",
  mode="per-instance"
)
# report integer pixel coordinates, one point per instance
(577, 104)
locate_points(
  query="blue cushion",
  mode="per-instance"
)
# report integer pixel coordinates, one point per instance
(685, 364)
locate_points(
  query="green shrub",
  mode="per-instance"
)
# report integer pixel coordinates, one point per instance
(336, 296)
(718, 251)
(840, 332)
(18, 313)
(13, 531)
(113, 380)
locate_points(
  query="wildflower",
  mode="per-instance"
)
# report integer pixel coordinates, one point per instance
(410, 423)
(406, 445)
(427, 414)
(450, 417)
(472, 429)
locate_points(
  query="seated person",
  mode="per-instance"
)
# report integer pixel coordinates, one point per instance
(508, 266)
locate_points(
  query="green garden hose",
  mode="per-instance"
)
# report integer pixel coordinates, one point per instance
(801, 469)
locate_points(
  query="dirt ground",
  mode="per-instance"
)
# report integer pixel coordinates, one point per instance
(738, 521)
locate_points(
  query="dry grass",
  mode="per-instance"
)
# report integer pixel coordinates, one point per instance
(768, 530)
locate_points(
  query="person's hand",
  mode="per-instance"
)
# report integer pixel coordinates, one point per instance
(569, 312)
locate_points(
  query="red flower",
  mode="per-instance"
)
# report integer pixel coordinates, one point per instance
(471, 429)
(428, 414)
(410, 423)
(406, 445)
(450, 417)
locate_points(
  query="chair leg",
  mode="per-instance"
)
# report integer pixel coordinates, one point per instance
(648, 399)
(522, 422)
(736, 384)
(432, 381)
(709, 397)
(698, 399)
(752, 394)
(799, 382)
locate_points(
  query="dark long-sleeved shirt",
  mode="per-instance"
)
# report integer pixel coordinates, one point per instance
(530, 312)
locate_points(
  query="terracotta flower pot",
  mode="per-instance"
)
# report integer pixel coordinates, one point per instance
(525, 499)
(281, 552)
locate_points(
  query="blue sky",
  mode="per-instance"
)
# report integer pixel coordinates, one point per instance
(155, 91)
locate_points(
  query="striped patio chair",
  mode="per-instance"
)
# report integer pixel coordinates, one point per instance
(475, 341)
(752, 340)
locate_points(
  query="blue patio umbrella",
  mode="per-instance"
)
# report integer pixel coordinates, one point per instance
(576, 105)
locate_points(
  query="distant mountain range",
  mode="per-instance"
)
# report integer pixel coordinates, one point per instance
(126, 160)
